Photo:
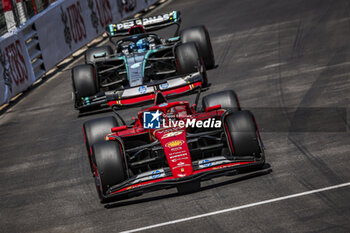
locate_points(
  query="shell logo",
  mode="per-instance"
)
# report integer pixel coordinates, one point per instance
(174, 143)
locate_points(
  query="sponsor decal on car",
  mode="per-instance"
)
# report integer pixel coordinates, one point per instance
(142, 90)
(178, 155)
(174, 143)
(205, 163)
(163, 105)
(176, 149)
(172, 134)
(145, 21)
(177, 159)
(224, 166)
(135, 186)
(181, 165)
(164, 86)
(156, 174)
(136, 65)
(155, 19)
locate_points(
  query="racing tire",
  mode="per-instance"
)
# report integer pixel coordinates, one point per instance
(200, 35)
(89, 54)
(188, 60)
(227, 99)
(187, 57)
(84, 82)
(95, 131)
(110, 166)
(242, 134)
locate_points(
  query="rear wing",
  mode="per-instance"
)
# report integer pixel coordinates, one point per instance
(151, 23)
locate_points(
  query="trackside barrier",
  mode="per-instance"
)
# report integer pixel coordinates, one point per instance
(33, 47)
(15, 68)
(27, 53)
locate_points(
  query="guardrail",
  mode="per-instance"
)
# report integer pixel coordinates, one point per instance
(27, 53)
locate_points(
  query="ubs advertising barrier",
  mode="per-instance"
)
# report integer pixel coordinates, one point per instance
(73, 23)
(63, 28)
(15, 68)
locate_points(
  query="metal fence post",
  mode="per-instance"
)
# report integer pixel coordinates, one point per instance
(3, 26)
(21, 11)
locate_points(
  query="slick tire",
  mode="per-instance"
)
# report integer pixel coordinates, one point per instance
(188, 58)
(227, 99)
(89, 54)
(109, 162)
(84, 82)
(200, 35)
(95, 131)
(242, 134)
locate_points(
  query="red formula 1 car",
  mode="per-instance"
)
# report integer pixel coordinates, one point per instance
(172, 145)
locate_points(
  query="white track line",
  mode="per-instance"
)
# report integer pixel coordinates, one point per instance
(238, 207)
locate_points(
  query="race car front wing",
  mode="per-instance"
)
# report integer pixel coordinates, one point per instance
(171, 88)
(162, 178)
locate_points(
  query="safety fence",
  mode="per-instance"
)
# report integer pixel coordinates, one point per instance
(46, 39)
(14, 13)
(3, 27)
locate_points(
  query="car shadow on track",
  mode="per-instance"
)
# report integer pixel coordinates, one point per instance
(94, 112)
(240, 177)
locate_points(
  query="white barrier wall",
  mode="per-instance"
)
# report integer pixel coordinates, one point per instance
(63, 28)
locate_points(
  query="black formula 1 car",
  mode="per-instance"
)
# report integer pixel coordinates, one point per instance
(143, 63)
(172, 145)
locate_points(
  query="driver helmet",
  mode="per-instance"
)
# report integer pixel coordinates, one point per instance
(142, 45)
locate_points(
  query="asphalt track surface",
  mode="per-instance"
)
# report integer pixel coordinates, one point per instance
(274, 54)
